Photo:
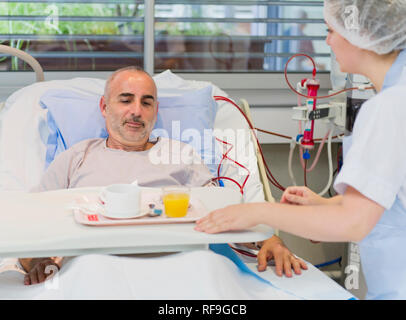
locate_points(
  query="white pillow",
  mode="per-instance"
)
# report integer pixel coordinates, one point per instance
(24, 131)
(228, 117)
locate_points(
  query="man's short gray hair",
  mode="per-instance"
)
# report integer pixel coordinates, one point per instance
(115, 73)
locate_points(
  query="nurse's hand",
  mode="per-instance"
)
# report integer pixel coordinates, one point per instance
(302, 196)
(285, 261)
(234, 217)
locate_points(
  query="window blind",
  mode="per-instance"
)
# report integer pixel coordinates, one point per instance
(73, 34)
(238, 36)
(187, 36)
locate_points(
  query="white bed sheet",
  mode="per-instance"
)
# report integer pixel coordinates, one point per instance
(312, 284)
(201, 274)
(193, 275)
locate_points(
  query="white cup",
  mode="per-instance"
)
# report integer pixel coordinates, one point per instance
(121, 200)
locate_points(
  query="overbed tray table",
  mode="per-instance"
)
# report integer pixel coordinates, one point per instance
(41, 224)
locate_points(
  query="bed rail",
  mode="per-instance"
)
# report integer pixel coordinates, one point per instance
(267, 190)
(262, 173)
(34, 64)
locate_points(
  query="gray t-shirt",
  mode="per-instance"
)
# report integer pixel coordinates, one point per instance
(90, 163)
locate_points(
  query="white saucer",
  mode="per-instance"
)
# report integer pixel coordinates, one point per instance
(116, 217)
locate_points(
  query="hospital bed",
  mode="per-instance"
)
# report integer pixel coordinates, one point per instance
(192, 273)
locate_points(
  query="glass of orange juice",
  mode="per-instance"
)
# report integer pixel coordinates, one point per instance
(176, 201)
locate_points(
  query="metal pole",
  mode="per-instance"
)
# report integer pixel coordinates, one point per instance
(149, 20)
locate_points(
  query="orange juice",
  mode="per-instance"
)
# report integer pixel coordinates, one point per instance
(176, 204)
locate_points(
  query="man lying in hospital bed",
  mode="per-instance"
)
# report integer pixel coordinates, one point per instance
(189, 275)
(129, 107)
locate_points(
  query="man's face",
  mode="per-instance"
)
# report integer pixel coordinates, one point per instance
(130, 108)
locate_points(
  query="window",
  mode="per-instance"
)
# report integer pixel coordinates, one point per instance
(73, 34)
(238, 36)
(227, 36)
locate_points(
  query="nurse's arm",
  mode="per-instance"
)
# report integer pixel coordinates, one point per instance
(352, 219)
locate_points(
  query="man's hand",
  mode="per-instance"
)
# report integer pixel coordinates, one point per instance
(285, 261)
(40, 269)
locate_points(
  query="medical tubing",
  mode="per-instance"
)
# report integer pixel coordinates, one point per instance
(270, 177)
(219, 166)
(287, 137)
(310, 97)
(252, 255)
(330, 163)
(273, 180)
(328, 263)
(243, 252)
(274, 133)
(225, 156)
(316, 159)
(329, 133)
(227, 178)
(305, 174)
(312, 89)
(291, 151)
(339, 155)
(318, 151)
(329, 190)
(299, 101)
(221, 162)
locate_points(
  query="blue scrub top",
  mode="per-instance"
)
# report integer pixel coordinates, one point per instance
(395, 72)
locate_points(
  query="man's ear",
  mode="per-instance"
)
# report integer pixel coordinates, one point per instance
(157, 108)
(103, 105)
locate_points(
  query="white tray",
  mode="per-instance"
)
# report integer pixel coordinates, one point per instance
(196, 211)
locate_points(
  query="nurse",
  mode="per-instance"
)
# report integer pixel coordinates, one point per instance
(368, 37)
